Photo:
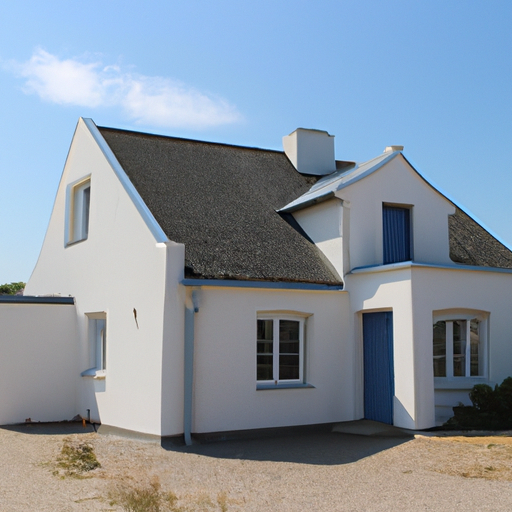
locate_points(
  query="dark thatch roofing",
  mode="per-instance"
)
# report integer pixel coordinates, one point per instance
(221, 201)
(471, 244)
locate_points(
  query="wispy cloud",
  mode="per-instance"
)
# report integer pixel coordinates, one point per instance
(146, 100)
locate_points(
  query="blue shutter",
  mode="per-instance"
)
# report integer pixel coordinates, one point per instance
(379, 375)
(396, 224)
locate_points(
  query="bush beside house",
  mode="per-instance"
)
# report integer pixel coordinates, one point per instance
(491, 409)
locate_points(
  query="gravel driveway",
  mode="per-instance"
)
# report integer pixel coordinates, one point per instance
(321, 471)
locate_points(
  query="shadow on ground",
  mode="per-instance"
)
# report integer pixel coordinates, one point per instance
(51, 429)
(318, 448)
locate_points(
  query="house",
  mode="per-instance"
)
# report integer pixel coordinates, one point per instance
(220, 288)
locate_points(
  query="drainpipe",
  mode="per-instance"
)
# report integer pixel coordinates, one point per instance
(189, 367)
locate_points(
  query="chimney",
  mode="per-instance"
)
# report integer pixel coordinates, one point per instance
(391, 149)
(310, 151)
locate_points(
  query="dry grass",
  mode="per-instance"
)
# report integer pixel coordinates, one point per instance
(488, 457)
(76, 458)
(142, 476)
(149, 497)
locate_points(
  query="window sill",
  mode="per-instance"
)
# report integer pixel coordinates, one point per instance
(74, 242)
(465, 383)
(291, 385)
(94, 373)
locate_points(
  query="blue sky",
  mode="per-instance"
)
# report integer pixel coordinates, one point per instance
(433, 76)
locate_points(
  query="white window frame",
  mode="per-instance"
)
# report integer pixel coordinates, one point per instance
(78, 211)
(97, 336)
(467, 380)
(276, 382)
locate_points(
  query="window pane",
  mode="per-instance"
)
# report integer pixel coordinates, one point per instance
(459, 348)
(289, 367)
(474, 331)
(265, 350)
(265, 330)
(289, 349)
(288, 330)
(85, 211)
(264, 368)
(440, 349)
(264, 347)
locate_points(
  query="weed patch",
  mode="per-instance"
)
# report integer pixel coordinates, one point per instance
(151, 498)
(144, 498)
(76, 459)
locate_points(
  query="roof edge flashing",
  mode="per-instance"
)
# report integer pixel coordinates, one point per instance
(280, 285)
(305, 204)
(139, 203)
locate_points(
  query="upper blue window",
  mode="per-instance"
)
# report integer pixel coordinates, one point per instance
(396, 233)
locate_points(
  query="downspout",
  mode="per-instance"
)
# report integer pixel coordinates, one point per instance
(189, 367)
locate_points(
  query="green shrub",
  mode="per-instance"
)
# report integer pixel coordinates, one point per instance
(11, 288)
(491, 409)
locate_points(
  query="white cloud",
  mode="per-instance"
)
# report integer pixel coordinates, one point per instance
(163, 102)
(147, 100)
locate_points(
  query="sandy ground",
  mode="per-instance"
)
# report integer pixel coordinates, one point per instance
(320, 471)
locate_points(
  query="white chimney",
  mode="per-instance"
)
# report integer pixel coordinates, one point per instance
(310, 151)
(391, 149)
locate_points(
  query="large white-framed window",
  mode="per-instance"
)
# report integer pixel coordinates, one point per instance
(78, 207)
(97, 334)
(460, 345)
(280, 349)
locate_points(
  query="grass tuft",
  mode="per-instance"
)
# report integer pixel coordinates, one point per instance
(145, 498)
(150, 498)
(76, 459)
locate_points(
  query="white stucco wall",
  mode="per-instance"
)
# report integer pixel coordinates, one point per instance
(119, 268)
(436, 290)
(387, 291)
(39, 362)
(416, 294)
(324, 225)
(225, 396)
(396, 183)
(172, 394)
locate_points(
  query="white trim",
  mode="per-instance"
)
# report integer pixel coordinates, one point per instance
(141, 206)
(467, 381)
(97, 342)
(276, 318)
(373, 269)
(74, 228)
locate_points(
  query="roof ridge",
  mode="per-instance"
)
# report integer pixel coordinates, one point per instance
(184, 139)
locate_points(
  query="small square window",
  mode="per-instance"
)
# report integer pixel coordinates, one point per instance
(78, 212)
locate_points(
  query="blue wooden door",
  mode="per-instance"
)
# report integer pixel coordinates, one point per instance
(379, 375)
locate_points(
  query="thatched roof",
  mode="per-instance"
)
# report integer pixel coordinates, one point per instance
(471, 244)
(221, 201)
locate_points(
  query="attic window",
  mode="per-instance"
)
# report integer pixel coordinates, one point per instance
(396, 233)
(78, 211)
